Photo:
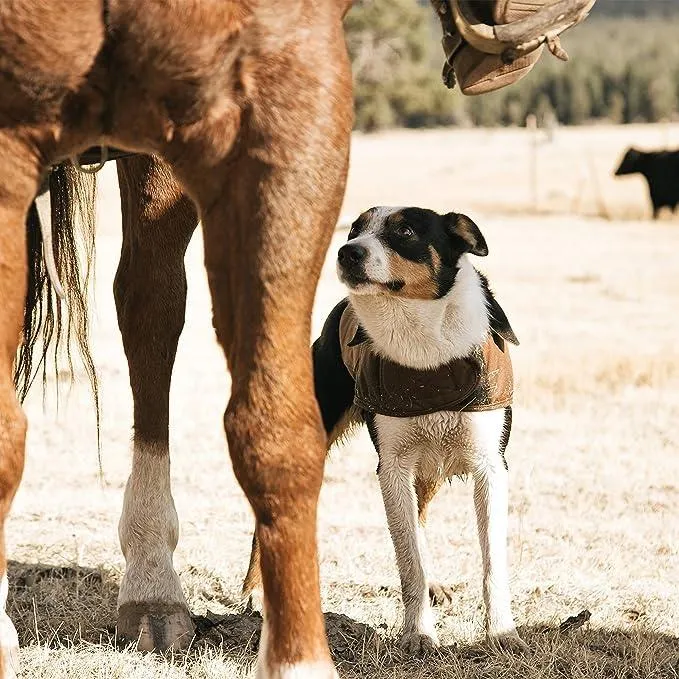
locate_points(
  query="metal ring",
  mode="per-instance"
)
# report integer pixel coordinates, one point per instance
(92, 169)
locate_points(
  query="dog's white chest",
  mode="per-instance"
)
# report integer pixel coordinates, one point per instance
(435, 445)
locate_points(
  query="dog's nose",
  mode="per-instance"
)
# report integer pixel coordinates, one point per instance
(351, 254)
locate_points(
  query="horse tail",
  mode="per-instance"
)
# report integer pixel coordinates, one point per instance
(51, 325)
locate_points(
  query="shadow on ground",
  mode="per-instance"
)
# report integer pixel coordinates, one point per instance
(62, 607)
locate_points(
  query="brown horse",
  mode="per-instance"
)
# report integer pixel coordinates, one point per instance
(249, 103)
(150, 294)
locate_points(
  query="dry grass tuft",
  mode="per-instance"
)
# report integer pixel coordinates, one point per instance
(226, 645)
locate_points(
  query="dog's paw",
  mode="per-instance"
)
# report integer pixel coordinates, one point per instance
(440, 595)
(508, 641)
(416, 644)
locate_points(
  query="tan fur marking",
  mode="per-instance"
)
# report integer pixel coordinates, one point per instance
(345, 427)
(253, 578)
(425, 490)
(419, 279)
(466, 229)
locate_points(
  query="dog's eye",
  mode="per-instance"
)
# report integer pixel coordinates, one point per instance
(404, 231)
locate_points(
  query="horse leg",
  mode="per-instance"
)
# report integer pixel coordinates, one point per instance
(19, 175)
(150, 295)
(267, 226)
(262, 307)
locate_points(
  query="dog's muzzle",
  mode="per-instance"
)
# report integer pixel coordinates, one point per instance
(351, 260)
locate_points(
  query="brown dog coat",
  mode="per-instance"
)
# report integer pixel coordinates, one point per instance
(483, 380)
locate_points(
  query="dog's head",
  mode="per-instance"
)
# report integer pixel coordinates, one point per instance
(630, 163)
(409, 252)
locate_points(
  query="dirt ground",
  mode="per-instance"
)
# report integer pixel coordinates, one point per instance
(594, 461)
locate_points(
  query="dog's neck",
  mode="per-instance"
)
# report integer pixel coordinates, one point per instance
(425, 334)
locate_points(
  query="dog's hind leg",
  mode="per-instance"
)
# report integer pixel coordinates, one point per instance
(150, 294)
(253, 578)
(488, 432)
(425, 490)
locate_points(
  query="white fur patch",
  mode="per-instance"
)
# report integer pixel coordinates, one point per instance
(379, 215)
(149, 530)
(377, 263)
(396, 475)
(9, 642)
(302, 670)
(308, 669)
(427, 333)
(491, 500)
(376, 266)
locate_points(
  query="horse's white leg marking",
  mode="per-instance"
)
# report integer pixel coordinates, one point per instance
(9, 641)
(149, 530)
(309, 669)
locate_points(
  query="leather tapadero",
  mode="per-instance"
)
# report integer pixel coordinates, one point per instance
(481, 381)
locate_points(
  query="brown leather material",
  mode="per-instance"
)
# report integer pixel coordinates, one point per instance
(481, 381)
(507, 11)
(95, 154)
(478, 73)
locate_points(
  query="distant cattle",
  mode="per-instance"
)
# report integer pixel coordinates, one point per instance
(661, 170)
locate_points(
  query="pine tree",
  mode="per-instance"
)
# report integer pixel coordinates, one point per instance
(622, 69)
(393, 45)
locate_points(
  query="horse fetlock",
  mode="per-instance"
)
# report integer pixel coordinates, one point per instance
(152, 609)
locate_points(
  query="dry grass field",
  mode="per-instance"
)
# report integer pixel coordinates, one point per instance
(594, 458)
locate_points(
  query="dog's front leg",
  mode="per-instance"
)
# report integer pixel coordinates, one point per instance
(396, 475)
(491, 498)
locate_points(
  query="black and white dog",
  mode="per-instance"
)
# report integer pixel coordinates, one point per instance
(418, 353)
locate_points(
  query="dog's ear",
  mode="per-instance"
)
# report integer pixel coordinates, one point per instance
(463, 229)
(499, 323)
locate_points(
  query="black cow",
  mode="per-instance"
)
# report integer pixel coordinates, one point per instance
(661, 170)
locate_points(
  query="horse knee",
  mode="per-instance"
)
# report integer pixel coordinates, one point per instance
(277, 452)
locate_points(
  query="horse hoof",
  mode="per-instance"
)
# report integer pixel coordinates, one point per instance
(156, 626)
